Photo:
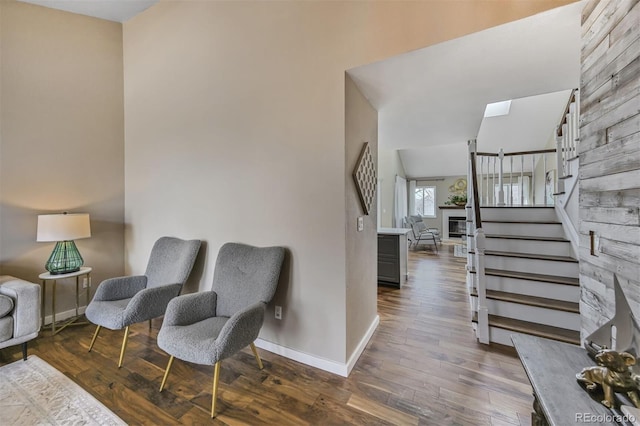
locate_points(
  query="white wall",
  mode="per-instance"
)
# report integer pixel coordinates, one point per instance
(235, 131)
(61, 138)
(540, 174)
(389, 166)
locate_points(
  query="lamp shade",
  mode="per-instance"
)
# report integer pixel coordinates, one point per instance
(63, 227)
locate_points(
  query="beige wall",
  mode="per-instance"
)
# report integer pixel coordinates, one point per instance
(361, 125)
(235, 131)
(389, 166)
(62, 137)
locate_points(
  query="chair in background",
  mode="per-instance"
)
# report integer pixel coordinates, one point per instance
(421, 237)
(207, 327)
(421, 232)
(406, 223)
(19, 312)
(121, 302)
(423, 228)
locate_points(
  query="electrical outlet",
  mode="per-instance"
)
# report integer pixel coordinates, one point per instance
(85, 283)
(279, 312)
(360, 223)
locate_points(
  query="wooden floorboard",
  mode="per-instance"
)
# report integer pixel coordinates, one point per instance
(423, 366)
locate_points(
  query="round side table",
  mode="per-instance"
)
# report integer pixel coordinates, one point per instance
(47, 276)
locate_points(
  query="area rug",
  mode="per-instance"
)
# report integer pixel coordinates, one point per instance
(34, 393)
(460, 250)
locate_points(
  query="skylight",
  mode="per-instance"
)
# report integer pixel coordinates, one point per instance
(497, 109)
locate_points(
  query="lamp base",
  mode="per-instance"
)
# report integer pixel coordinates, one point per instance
(65, 258)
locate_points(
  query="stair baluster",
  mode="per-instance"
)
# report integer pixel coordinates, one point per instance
(482, 330)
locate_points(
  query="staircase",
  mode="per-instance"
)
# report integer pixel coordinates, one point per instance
(531, 275)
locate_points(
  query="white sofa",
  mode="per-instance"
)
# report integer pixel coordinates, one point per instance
(19, 312)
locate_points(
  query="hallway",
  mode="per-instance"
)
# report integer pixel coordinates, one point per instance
(426, 345)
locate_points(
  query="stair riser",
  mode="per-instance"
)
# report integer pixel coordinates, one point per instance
(499, 335)
(555, 248)
(524, 229)
(519, 213)
(567, 293)
(532, 266)
(535, 314)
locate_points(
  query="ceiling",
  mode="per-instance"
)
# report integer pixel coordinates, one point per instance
(111, 10)
(432, 100)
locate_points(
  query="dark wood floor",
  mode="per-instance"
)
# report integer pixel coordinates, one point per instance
(422, 366)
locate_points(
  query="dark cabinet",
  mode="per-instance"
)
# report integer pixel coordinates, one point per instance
(392, 257)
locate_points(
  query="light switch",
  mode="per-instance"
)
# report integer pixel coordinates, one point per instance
(360, 224)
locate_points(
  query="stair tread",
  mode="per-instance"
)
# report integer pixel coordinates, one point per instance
(535, 222)
(525, 237)
(553, 279)
(526, 327)
(528, 256)
(541, 302)
(519, 206)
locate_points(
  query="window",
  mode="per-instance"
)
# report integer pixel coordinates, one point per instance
(425, 197)
(515, 192)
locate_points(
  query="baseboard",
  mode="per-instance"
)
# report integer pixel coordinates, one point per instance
(362, 345)
(61, 316)
(341, 369)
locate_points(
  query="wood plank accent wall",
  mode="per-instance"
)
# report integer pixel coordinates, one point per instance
(609, 172)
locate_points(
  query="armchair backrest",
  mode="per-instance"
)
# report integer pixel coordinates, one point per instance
(171, 261)
(417, 220)
(245, 275)
(415, 231)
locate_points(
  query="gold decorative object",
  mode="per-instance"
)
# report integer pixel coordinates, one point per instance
(365, 178)
(459, 186)
(613, 374)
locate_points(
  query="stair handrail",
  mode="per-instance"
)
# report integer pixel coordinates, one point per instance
(567, 138)
(496, 160)
(477, 217)
(482, 328)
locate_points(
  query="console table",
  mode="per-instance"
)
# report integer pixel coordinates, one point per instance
(551, 367)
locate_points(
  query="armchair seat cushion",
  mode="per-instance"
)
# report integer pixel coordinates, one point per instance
(6, 328)
(195, 342)
(6, 305)
(109, 314)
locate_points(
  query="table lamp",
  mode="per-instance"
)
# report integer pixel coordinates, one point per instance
(63, 229)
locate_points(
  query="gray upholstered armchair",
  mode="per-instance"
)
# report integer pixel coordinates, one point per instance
(19, 312)
(123, 301)
(207, 327)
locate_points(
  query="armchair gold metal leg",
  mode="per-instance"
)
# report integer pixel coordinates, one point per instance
(255, 353)
(166, 373)
(124, 346)
(95, 336)
(214, 396)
